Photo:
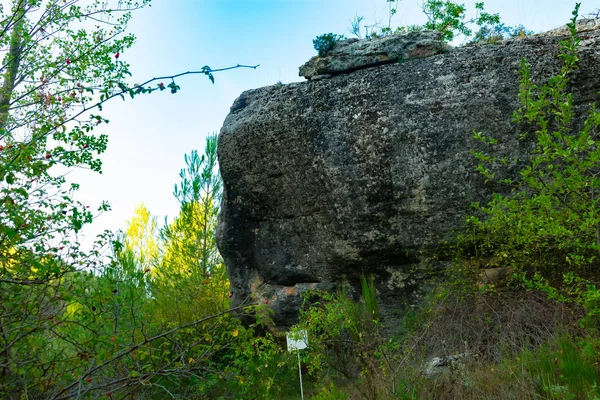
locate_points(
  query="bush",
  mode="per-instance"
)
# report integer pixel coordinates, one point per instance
(326, 42)
(493, 34)
(345, 339)
(550, 223)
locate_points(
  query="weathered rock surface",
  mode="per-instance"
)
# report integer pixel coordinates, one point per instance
(357, 174)
(353, 54)
(583, 25)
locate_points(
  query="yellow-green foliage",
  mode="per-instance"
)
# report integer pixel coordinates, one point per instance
(141, 237)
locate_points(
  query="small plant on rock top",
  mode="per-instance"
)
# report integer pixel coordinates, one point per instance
(326, 42)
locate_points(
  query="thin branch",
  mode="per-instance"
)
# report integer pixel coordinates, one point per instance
(127, 90)
(25, 282)
(209, 70)
(140, 344)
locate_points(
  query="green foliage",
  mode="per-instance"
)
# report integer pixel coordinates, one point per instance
(190, 279)
(546, 231)
(131, 320)
(561, 369)
(191, 236)
(572, 289)
(48, 85)
(446, 17)
(368, 294)
(50, 82)
(551, 219)
(449, 18)
(493, 34)
(140, 238)
(330, 393)
(261, 369)
(79, 323)
(326, 42)
(191, 271)
(355, 25)
(345, 339)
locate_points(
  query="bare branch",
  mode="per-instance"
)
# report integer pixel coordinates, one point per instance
(140, 344)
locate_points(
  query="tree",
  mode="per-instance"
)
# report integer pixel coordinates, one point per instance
(187, 283)
(199, 195)
(54, 63)
(62, 60)
(448, 17)
(49, 74)
(190, 259)
(141, 238)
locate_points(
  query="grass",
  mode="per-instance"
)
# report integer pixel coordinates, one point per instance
(522, 346)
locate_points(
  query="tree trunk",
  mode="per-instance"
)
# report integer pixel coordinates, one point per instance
(12, 63)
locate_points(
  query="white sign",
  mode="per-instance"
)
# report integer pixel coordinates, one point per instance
(298, 342)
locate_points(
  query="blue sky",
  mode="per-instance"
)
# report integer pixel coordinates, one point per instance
(148, 136)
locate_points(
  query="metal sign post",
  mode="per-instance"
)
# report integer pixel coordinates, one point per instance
(300, 374)
(298, 341)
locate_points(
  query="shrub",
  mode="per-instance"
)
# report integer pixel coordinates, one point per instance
(326, 42)
(345, 338)
(550, 222)
(492, 34)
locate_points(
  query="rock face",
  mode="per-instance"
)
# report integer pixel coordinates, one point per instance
(359, 174)
(353, 54)
(583, 25)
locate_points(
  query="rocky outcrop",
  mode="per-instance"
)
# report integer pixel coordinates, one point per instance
(353, 54)
(364, 172)
(583, 25)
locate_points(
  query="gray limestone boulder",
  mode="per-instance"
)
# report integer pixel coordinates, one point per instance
(354, 54)
(367, 172)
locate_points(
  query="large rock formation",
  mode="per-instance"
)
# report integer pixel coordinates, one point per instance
(360, 173)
